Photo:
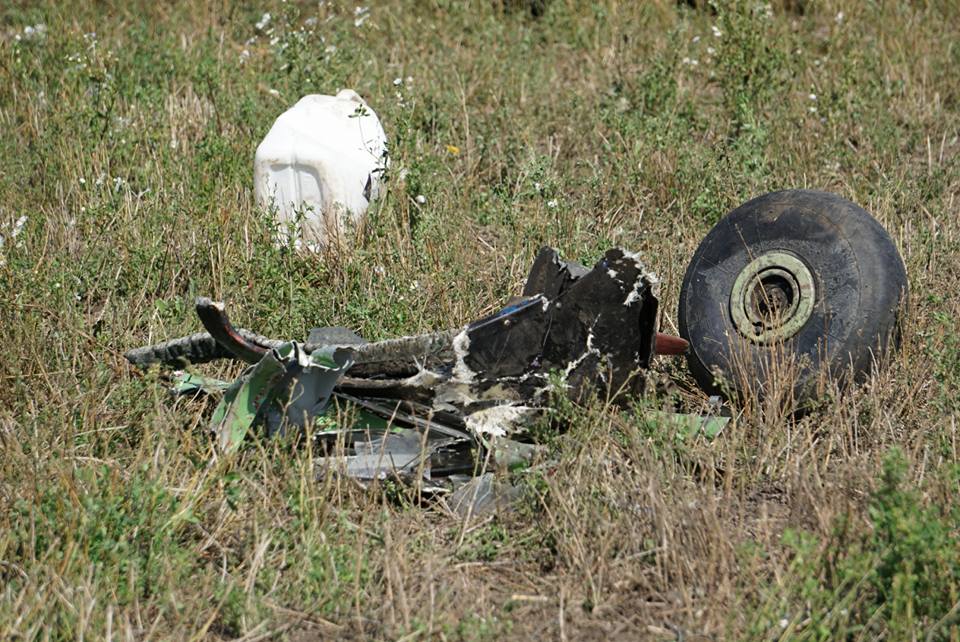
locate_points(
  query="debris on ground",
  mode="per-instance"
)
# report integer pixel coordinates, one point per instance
(444, 408)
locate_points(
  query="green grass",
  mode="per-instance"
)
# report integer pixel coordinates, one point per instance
(128, 138)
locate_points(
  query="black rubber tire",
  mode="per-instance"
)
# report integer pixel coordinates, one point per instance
(860, 290)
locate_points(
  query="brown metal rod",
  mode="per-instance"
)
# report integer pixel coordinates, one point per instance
(213, 316)
(670, 345)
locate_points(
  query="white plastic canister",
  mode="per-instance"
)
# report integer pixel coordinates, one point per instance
(320, 166)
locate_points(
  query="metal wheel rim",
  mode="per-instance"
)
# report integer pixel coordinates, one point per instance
(772, 297)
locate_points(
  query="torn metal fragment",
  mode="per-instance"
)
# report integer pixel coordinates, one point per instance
(482, 496)
(287, 386)
(550, 276)
(189, 383)
(689, 426)
(401, 453)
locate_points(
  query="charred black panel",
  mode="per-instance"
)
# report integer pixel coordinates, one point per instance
(598, 328)
(550, 276)
(507, 344)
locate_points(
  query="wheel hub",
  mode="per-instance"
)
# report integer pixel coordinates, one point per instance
(772, 297)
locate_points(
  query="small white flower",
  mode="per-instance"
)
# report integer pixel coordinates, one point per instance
(18, 227)
(784, 622)
(420, 199)
(696, 39)
(82, 180)
(331, 49)
(262, 22)
(397, 82)
(552, 203)
(360, 14)
(716, 31)
(379, 270)
(817, 62)
(812, 109)
(34, 32)
(812, 96)
(409, 79)
(244, 55)
(693, 62)
(273, 92)
(839, 18)
(711, 51)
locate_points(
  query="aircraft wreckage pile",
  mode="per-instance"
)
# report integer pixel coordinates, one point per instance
(434, 407)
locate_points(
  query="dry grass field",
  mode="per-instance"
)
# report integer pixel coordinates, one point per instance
(128, 133)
